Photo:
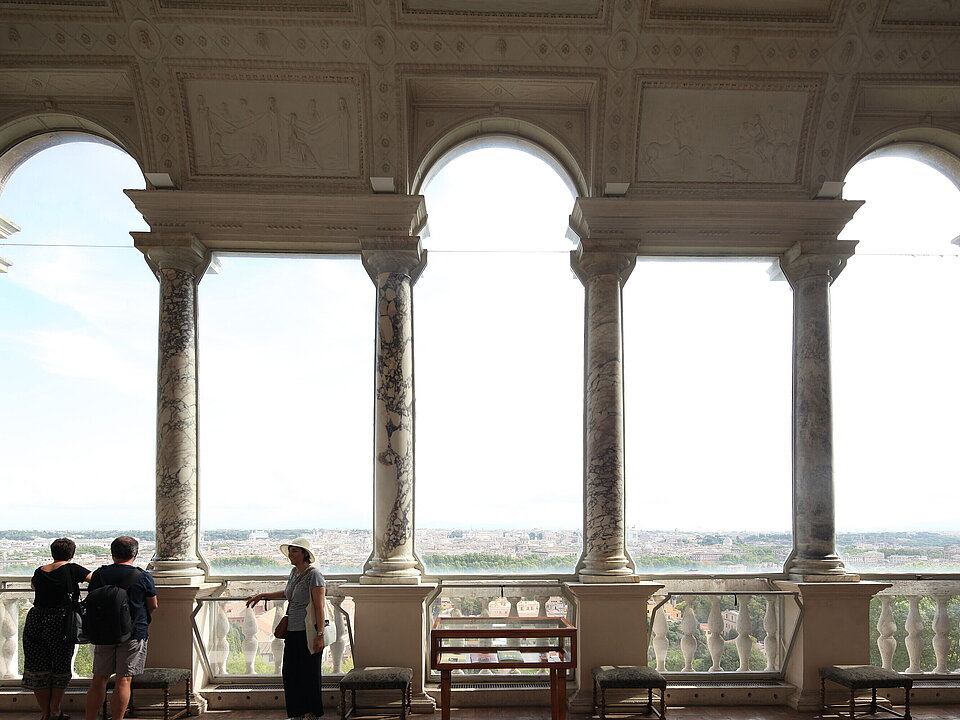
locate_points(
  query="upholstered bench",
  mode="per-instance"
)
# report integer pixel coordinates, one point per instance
(628, 677)
(376, 678)
(861, 677)
(158, 679)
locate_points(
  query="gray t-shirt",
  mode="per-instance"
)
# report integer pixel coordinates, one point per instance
(297, 593)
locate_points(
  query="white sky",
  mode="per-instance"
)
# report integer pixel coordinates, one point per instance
(287, 367)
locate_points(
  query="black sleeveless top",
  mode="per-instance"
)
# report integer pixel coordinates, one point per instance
(53, 589)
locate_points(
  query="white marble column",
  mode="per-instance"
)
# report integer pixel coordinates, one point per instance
(603, 270)
(393, 263)
(811, 266)
(179, 263)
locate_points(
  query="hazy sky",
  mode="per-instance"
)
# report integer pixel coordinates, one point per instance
(287, 359)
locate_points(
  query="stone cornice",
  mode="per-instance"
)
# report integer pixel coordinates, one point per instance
(260, 222)
(748, 228)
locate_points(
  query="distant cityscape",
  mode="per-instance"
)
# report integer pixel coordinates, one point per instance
(487, 551)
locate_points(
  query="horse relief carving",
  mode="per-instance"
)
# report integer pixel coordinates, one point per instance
(714, 136)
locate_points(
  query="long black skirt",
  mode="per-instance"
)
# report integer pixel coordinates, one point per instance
(301, 676)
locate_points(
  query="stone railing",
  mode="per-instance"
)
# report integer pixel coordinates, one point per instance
(918, 628)
(238, 642)
(740, 630)
(15, 602)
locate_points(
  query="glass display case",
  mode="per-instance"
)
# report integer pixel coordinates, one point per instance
(510, 643)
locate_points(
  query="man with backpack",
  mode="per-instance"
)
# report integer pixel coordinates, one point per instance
(120, 601)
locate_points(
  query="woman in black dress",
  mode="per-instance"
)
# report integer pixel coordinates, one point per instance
(47, 652)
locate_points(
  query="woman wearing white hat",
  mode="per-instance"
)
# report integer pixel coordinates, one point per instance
(301, 664)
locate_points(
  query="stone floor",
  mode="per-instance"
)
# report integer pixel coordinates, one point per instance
(927, 712)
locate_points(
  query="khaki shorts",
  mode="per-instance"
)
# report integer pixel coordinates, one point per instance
(124, 659)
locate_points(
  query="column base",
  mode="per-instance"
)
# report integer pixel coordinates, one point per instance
(390, 580)
(177, 572)
(629, 577)
(799, 577)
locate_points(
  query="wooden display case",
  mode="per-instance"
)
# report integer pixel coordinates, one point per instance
(524, 643)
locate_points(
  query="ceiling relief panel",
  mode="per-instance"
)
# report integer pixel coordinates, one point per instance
(101, 83)
(933, 99)
(783, 11)
(513, 10)
(928, 14)
(707, 133)
(285, 127)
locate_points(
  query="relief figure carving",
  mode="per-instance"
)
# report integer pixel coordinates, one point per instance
(312, 135)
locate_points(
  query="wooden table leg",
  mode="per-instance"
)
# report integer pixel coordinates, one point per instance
(445, 694)
(561, 695)
(553, 694)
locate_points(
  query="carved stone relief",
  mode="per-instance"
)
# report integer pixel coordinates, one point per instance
(75, 83)
(289, 129)
(911, 98)
(922, 12)
(784, 10)
(719, 135)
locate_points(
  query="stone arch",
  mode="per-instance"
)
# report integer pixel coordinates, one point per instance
(501, 132)
(936, 147)
(24, 137)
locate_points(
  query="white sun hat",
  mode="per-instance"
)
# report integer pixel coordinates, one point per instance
(302, 543)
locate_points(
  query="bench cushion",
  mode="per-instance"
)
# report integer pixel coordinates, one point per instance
(628, 676)
(377, 678)
(857, 677)
(156, 678)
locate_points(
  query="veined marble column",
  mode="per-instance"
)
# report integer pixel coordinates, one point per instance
(178, 264)
(811, 266)
(603, 271)
(394, 264)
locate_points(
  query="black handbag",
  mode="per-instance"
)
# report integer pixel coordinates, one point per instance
(75, 612)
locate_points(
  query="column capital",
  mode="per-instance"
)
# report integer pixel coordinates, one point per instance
(401, 254)
(812, 258)
(604, 257)
(177, 251)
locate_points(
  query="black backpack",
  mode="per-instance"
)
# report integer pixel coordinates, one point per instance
(106, 616)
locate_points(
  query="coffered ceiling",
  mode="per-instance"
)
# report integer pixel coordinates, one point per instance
(719, 98)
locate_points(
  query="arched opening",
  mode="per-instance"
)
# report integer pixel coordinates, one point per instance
(78, 308)
(285, 412)
(499, 338)
(707, 362)
(896, 390)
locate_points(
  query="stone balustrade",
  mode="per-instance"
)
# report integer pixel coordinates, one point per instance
(238, 641)
(917, 631)
(721, 631)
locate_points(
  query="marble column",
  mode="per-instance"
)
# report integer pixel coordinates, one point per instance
(394, 264)
(811, 266)
(179, 263)
(603, 271)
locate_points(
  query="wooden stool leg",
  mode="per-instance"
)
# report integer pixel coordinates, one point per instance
(823, 696)
(649, 710)
(603, 703)
(906, 704)
(166, 703)
(188, 693)
(853, 704)
(873, 701)
(663, 703)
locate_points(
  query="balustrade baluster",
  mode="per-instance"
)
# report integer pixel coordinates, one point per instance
(336, 648)
(660, 642)
(914, 627)
(744, 631)
(219, 647)
(688, 643)
(886, 627)
(7, 653)
(941, 637)
(715, 634)
(9, 625)
(276, 645)
(771, 642)
(250, 644)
